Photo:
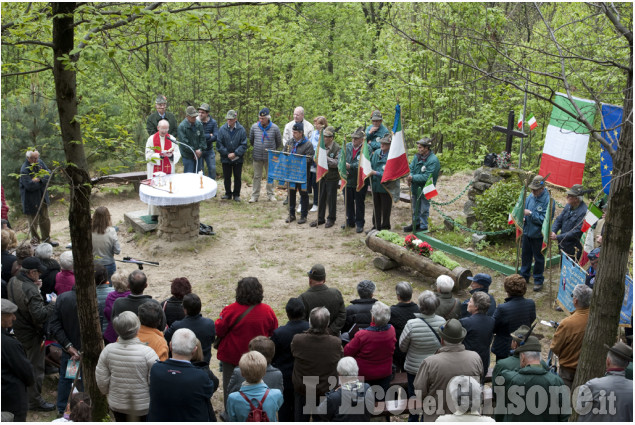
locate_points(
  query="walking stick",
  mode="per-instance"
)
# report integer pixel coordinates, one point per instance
(67, 409)
(551, 201)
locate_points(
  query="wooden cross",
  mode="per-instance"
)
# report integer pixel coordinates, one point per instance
(509, 131)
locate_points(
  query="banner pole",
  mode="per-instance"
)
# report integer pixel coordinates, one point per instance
(551, 201)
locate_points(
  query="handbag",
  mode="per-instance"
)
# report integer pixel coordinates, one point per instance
(218, 339)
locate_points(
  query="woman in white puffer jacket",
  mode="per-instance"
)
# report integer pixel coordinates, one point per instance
(123, 371)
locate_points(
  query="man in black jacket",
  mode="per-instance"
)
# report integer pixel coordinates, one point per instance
(137, 282)
(202, 327)
(17, 372)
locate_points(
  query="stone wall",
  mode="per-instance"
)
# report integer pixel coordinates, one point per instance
(179, 222)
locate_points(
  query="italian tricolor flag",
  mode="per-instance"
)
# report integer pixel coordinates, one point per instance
(566, 142)
(593, 214)
(429, 191)
(320, 159)
(397, 162)
(364, 166)
(531, 122)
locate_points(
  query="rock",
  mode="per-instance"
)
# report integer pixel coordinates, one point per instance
(468, 208)
(477, 173)
(478, 238)
(449, 225)
(505, 174)
(471, 194)
(481, 186)
(487, 177)
(471, 219)
(385, 263)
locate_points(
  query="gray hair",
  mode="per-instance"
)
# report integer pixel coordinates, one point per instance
(44, 251)
(616, 360)
(150, 314)
(380, 312)
(126, 325)
(531, 355)
(66, 260)
(166, 122)
(481, 301)
(347, 366)
(404, 291)
(445, 284)
(464, 392)
(299, 108)
(428, 302)
(29, 153)
(583, 294)
(366, 289)
(183, 342)
(319, 319)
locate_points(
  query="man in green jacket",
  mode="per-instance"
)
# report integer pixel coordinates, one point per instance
(355, 208)
(382, 202)
(533, 394)
(423, 165)
(192, 141)
(376, 131)
(161, 104)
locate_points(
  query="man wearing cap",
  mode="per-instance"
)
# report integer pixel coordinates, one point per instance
(569, 223)
(382, 202)
(210, 127)
(32, 314)
(536, 206)
(319, 295)
(17, 372)
(594, 259)
(423, 165)
(479, 283)
(375, 132)
(330, 181)
(192, 141)
(610, 398)
(264, 136)
(436, 371)
(299, 145)
(232, 145)
(533, 394)
(161, 113)
(298, 117)
(355, 209)
(34, 176)
(567, 341)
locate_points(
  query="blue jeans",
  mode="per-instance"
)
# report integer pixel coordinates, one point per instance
(209, 158)
(421, 211)
(111, 269)
(532, 250)
(192, 165)
(64, 385)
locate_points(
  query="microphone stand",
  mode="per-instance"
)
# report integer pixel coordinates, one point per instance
(173, 139)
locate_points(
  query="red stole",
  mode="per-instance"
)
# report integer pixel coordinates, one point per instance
(165, 165)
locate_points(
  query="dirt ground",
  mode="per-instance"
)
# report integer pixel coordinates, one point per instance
(254, 240)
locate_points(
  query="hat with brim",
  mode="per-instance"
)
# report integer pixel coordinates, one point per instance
(8, 306)
(537, 183)
(329, 132)
(298, 126)
(317, 272)
(530, 344)
(191, 111)
(376, 116)
(482, 279)
(358, 134)
(204, 107)
(231, 115)
(452, 332)
(426, 141)
(387, 139)
(33, 263)
(160, 99)
(576, 190)
(622, 350)
(264, 112)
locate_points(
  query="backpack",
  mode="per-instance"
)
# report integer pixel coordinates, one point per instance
(256, 413)
(490, 160)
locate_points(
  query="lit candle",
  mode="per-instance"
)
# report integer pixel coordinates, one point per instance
(170, 187)
(201, 182)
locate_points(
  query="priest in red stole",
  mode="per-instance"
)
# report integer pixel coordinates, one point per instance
(161, 155)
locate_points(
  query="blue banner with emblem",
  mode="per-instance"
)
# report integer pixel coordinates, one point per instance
(286, 167)
(611, 130)
(627, 305)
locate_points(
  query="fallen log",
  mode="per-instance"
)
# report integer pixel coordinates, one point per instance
(421, 264)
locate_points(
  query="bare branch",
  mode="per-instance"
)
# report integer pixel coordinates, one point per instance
(35, 71)
(628, 34)
(22, 42)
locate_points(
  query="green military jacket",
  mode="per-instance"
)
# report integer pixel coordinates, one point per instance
(194, 137)
(153, 121)
(351, 177)
(422, 170)
(373, 139)
(378, 163)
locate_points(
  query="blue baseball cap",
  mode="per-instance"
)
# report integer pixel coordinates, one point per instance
(482, 279)
(594, 255)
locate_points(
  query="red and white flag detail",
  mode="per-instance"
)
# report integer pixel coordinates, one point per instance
(429, 191)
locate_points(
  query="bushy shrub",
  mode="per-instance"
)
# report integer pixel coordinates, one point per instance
(495, 204)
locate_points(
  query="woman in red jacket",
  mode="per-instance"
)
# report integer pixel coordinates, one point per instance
(239, 323)
(373, 347)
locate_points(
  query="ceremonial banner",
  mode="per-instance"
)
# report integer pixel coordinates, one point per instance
(627, 304)
(571, 274)
(566, 142)
(287, 168)
(611, 130)
(341, 166)
(397, 162)
(322, 165)
(517, 216)
(546, 224)
(364, 168)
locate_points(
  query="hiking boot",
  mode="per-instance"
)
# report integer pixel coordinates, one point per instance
(537, 288)
(290, 219)
(329, 224)
(408, 228)
(225, 197)
(317, 223)
(359, 229)
(302, 220)
(237, 198)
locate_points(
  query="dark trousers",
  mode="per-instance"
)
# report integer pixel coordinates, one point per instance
(313, 186)
(328, 196)
(300, 415)
(382, 203)
(304, 200)
(355, 209)
(125, 417)
(237, 170)
(286, 412)
(228, 370)
(384, 383)
(532, 251)
(36, 354)
(411, 393)
(64, 385)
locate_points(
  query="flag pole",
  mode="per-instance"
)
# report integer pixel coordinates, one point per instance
(551, 201)
(318, 204)
(518, 242)
(412, 200)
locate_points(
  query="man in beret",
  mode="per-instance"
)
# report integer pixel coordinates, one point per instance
(192, 137)
(376, 131)
(17, 372)
(161, 113)
(32, 314)
(533, 394)
(423, 165)
(232, 145)
(264, 136)
(479, 283)
(536, 206)
(569, 223)
(210, 127)
(609, 398)
(355, 208)
(330, 182)
(299, 145)
(319, 295)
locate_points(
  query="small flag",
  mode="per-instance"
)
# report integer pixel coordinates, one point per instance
(593, 214)
(365, 166)
(429, 191)
(520, 122)
(320, 159)
(341, 166)
(397, 162)
(517, 215)
(532, 122)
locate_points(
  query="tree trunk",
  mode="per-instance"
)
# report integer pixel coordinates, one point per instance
(608, 291)
(79, 213)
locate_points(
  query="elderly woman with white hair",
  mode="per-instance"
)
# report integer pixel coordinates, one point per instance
(123, 371)
(65, 279)
(449, 307)
(420, 338)
(373, 347)
(348, 402)
(44, 252)
(465, 395)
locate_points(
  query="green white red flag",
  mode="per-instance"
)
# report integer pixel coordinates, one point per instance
(546, 225)
(518, 214)
(531, 122)
(341, 166)
(397, 163)
(592, 216)
(429, 191)
(365, 167)
(322, 165)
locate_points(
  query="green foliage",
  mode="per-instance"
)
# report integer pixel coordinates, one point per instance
(495, 204)
(440, 257)
(392, 237)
